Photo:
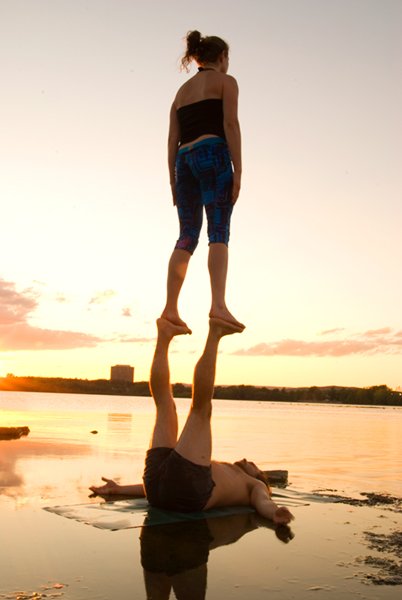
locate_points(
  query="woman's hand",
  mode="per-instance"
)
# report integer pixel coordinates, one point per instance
(173, 187)
(236, 187)
(110, 488)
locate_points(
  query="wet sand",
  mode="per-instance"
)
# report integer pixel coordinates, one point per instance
(353, 551)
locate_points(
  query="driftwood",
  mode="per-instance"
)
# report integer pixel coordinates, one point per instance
(277, 478)
(13, 433)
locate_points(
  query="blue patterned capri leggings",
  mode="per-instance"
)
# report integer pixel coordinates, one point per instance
(204, 177)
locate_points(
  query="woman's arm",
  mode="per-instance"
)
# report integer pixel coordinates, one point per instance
(173, 144)
(232, 129)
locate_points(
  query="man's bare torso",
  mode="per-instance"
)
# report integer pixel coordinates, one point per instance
(232, 485)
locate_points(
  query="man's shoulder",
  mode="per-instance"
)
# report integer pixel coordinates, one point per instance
(230, 470)
(223, 464)
(231, 474)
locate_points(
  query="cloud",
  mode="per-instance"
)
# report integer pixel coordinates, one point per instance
(15, 306)
(330, 331)
(133, 340)
(376, 341)
(375, 332)
(17, 334)
(102, 297)
(23, 336)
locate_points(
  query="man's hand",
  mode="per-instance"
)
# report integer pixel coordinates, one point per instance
(109, 489)
(282, 516)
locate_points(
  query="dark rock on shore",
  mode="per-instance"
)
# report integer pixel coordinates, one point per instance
(388, 571)
(370, 499)
(13, 433)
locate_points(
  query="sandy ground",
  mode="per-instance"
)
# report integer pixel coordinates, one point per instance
(336, 545)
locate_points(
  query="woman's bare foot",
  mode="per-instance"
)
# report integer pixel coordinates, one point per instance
(221, 327)
(169, 329)
(173, 317)
(224, 315)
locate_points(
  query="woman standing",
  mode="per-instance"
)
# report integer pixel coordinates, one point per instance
(204, 155)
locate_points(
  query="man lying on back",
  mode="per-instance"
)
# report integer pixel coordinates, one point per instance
(179, 474)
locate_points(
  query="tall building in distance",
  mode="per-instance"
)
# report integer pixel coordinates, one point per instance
(122, 373)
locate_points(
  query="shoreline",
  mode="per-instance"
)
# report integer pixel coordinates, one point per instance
(379, 395)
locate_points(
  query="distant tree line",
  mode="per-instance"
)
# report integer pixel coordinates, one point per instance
(378, 394)
(375, 395)
(60, 385)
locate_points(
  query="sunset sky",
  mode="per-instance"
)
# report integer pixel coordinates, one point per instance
(87, 222)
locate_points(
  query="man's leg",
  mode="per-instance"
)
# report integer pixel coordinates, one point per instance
(195, 442)
(165, 430)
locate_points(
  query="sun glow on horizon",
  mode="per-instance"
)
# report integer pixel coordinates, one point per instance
(315, 241)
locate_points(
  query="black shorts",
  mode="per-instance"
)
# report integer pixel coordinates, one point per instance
(174, 483)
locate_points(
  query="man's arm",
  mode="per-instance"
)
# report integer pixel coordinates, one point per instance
(111, 488)
(266, 507)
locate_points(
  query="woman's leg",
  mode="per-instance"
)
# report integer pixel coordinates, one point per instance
(190, 213)
(217, 195)
(218, 268)
(176, 274)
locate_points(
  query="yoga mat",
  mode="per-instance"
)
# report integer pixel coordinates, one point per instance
(126, 514)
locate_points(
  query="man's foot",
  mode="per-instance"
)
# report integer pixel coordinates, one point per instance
(222, 327)
(169, 329)
(175, 320)
(225, 315)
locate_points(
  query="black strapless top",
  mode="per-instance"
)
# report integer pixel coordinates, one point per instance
(201, 118)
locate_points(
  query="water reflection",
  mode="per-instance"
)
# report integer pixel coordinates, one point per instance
(119, 422)
(8, 475)
(18, 458)
(175, 556)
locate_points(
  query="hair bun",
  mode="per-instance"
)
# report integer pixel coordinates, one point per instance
(203, 50)
(194, 40)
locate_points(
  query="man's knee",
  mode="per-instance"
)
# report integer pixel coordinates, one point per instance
(203, 410)
(166, 409)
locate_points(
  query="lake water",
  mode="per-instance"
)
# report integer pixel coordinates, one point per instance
(324, 447)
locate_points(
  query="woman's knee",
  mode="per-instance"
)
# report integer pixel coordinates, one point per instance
(188, 243)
